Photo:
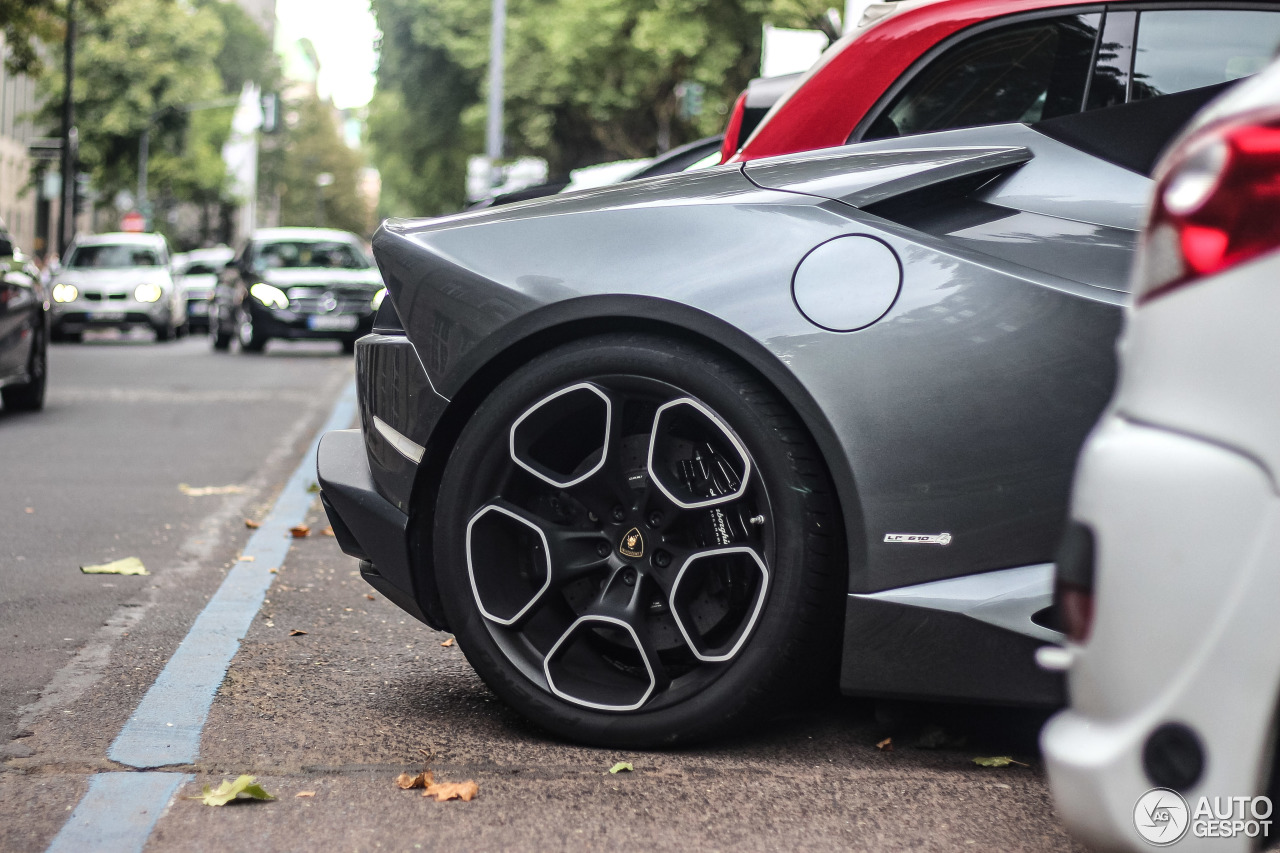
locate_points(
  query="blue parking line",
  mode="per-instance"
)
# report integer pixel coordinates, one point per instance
(118, 812)
(120, 809)
(166, 727)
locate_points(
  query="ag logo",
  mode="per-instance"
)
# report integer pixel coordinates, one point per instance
(632, 544)
(1161, 817)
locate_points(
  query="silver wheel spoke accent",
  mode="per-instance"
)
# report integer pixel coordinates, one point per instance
(689, 631)
(561, 480)
(671, 409)
(584, 623)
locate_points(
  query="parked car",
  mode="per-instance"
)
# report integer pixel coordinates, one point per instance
(196, 273)
(119, 281)
(693, 155)
(916, 66)
(296, 283)
(649, 449)
(1171, 569)
(24, 329)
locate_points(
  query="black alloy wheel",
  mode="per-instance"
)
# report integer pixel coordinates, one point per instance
(29, 396)
(636, 545)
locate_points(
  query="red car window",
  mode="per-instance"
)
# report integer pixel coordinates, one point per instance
(1027, 71)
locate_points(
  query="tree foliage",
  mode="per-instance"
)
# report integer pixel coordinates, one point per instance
(314, 146)
(28, 23)
(586, 81)
(142, 65)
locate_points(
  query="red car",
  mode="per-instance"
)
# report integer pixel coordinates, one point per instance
(922, 65)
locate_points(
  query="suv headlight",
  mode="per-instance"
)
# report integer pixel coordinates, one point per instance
(269, 295)
(148, 292)
(65, 292)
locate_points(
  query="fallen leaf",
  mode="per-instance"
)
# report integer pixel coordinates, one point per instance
(886, 744)
(251, 524)
(313, 489)
(464, 791)
(127, 566)
(328, 531)
(241, 789)
(245, 559)
(422, 780)
(296, 633)
(203, 491)
(274, 571)
(622, 766)
(300, 531)
(448, 644)
(998, 761)
(368, 596)
(305, 794)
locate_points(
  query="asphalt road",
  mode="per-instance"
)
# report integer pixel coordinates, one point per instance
(334, 691)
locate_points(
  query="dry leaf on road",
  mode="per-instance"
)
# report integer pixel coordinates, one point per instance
(464, 791)
(886, 744)
(241, 789)
(127, 566)
(328, 531)
(299, 532)
(998, 761)
(448, 644)
(296, 633)
(251, 524)
(305, 794)
(422, 780)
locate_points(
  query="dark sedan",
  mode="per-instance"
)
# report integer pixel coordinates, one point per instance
(24, 329)
(292, 284)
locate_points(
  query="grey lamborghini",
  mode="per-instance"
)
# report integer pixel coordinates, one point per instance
(662, 455)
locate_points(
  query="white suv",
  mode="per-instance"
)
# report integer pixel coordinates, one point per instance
(117, 281)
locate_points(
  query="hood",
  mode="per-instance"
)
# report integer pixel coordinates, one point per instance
(93, 280)
(321, 277)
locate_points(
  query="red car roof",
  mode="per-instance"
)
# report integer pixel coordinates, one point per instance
(855, 72)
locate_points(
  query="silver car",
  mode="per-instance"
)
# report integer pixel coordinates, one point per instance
(117, 281)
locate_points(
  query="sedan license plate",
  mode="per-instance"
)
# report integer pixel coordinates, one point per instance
(198, 309)
(106, 316)
(332, 322)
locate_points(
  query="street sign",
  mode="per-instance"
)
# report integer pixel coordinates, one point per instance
(133, 222)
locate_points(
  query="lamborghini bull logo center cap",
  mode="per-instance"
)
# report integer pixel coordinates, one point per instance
(632, 544)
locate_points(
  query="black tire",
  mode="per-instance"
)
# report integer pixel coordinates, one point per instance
(251, 339)
(164, 332)
(69, 337)
(727, 614)
(29, 396)
(349, 346)
(183, 330)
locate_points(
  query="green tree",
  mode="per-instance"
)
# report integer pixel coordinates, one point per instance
(28, 23)
(141, 66)
(313, 147)
(587, 81)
